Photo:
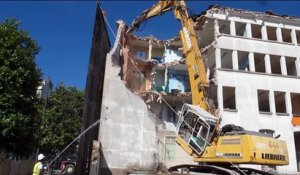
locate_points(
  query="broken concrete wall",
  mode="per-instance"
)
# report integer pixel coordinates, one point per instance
(137, 130)
(171, 55)
(152, 64)
(136, 69)
(128, 129)
(138, 76)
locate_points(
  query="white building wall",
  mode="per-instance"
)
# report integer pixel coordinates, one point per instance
(257, 46)
(246, 83)
(247, 114)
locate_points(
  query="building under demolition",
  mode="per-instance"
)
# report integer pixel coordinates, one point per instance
(253, 65)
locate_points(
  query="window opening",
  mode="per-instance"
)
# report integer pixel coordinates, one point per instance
(224, 26)
(291, 66)
(275, 64)
(226, 59)
(263, 100)
(256, 31)
(213, 89)
(259, 61)
(243, 60)
(271, 32)
(140, 54)
(170, 148)
(229, 97)
(240, 29)
(286, 35)
(298, 36)
(280, 102)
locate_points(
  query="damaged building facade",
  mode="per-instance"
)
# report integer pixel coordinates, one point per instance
(253, 64)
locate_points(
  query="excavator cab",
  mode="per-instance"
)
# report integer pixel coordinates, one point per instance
(195, 127)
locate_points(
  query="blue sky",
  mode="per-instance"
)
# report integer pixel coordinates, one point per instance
(64, 29)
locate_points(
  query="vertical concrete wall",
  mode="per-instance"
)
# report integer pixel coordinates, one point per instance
(93, 91)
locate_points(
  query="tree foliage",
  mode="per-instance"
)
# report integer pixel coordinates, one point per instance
(19, 79)
(62, 119)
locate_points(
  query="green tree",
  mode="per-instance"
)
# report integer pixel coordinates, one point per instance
(19, 78)
(62, 119)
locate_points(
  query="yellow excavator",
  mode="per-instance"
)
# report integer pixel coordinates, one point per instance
(198, 130)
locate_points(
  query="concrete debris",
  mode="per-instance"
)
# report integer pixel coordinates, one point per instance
(199, 21)
(172, 63)
(155, 40)
(153, 96)
(139, 172)
(205, 49)
(227, 10)
(171, 55)
(121, 27)
(95, 151)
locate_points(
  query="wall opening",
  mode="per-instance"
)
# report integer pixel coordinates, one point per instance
(170, 148)
(159, 83)
(263, 100)
(240, 29)
(243, 60)
(271, 32)
(157, 53)
(295, 100)
(178, 80)
(298, 36)
(256, 31)
(226, 59)
(286, 35)
(213, 95)
(268, 132)
(297, 148)
(140, 54)
(229, 100)
(275, 64)
(280, 104)
(259, 61)
(224, 27)
(210, 61)
(291, 66)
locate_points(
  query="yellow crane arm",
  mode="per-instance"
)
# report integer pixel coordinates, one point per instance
(191, 51)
